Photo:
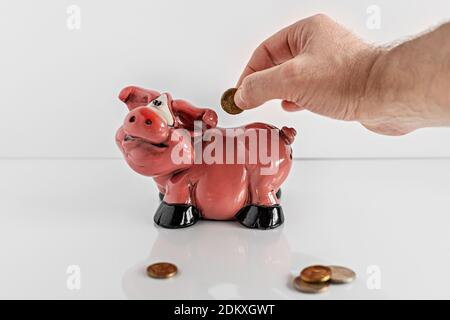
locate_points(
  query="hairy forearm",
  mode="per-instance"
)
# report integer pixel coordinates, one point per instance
(413, 79)
(317, 65)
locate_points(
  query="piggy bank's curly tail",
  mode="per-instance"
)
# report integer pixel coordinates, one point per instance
(288, 134)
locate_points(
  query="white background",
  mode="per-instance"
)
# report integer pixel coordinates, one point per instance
(97, 215)
(67, 198)
(59, 86)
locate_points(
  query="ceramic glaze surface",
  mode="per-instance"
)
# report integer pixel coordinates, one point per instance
(202, 170)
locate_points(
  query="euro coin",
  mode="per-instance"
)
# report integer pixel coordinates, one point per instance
(227, 102)
(307, 287)
(162, 270)
(316, 274)
(341, 274)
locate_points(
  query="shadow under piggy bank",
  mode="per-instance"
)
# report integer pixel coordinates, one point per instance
(223, 261)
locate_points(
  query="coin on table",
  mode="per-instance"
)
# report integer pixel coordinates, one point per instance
(227, 102)
(316, 274)
(162, 270)
(341, 274)
(307, 287)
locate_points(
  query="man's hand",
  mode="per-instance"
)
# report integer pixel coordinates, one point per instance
(316, 64)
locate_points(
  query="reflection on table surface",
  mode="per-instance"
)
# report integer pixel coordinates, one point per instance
(221, 260)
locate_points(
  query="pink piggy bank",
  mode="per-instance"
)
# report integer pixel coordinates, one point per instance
(203, 171)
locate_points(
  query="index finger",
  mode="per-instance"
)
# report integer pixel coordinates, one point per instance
(273, 51)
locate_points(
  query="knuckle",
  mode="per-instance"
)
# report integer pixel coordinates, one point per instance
(319, 19)
(289, 70)
(317, 24)
(260, 47)
(260, 53)
(294, 72)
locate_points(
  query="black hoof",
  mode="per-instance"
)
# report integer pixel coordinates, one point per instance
(161, 196)
(175, 216)
(260, 217)
(278, 194)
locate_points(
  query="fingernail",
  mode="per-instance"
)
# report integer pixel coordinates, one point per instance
(238, 98)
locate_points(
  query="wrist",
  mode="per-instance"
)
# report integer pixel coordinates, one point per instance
(407, 84)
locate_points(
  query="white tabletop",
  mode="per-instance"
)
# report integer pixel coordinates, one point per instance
(386, 219)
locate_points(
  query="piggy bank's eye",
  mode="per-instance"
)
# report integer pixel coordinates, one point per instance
(161, 107)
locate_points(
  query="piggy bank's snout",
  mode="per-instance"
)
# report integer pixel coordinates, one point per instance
(147, 122)
(144, 123)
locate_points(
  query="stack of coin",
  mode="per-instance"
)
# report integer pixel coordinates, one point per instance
(317, 278)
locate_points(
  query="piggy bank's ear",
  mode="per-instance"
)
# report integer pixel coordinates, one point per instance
(136, 97)
(186, 114)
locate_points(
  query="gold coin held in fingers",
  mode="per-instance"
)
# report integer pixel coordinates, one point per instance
(162, 270)
(307, 287)
(341, 274)
(227, 102)
(316, 274)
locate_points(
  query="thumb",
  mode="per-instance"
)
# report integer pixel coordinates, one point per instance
(263, 86)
